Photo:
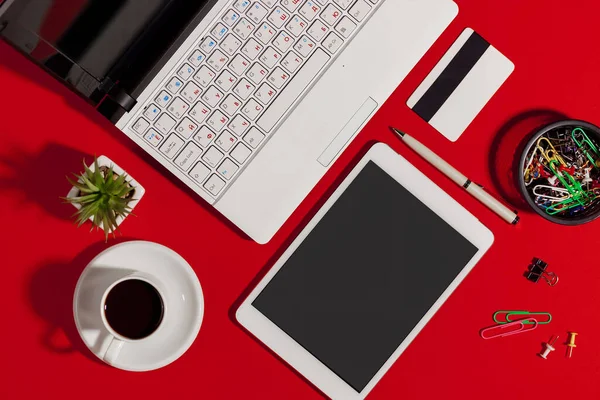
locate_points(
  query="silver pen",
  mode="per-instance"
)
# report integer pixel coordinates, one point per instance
(474, 189)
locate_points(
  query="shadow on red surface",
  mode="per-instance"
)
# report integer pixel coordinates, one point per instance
(51, 289)
(40, 178)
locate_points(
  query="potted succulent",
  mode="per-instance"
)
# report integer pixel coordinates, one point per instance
(103, 194)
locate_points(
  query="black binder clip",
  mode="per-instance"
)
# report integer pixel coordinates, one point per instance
(537, 270)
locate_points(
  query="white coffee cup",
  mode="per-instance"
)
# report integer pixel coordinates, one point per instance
(118, 340)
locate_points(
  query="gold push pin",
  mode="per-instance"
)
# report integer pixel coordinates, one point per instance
(571, 343)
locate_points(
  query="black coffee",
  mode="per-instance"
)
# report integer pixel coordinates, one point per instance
(134, 309)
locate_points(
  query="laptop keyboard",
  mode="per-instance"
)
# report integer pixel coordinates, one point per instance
(219, 106)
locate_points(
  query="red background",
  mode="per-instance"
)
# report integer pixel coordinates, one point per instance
(45, 131)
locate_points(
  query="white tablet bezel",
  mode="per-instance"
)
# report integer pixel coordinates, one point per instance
(428, 193)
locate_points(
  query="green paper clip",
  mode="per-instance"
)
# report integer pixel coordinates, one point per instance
(524, 314)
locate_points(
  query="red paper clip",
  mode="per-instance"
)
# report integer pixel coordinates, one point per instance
(512, 328)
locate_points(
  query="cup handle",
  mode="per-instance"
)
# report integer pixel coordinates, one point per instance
(113, 350)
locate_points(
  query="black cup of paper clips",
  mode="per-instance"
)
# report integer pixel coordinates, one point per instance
(560, 172)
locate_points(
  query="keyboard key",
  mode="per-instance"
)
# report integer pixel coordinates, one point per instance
(207, 45)
(212, 96)
(219, 31)
(185, 72)
(227, 169)
(291, 5)
(199, 112)
(225, 141)
(153, 137)
(243, 89)
(230, 17)
(199, 172)
(171, 146)
(346, 27)
(204, 76)
(279, 77)
(190, 92)
(257, 12)
(174, 85)
(291, 61)
(140, 126)
(212, 156)
(230, 105)
(265, 33)
(239, 64)
(240, 153)
(239, 125)
(178, 107)
(270, 57)
(304, 46)
(204, 136)
(265, 93)
(152, 112)
(244, 28)
(252, 109)
(217, 121)
(296, 26)
(188, 155)
(278, 17)
(241, 5)
(254, 137)
(333, 42)
(309, 10)
(331, 15)
(252, 49)
(343, 3)
(269, 3)
(214, 184)
(163, 98)
(360, 10)
(186, 128)
(196, 58)
(165, 123)
(317, 30)
(257, 73)
(295, 87)
(226, 80)
(217, 60)
(231, 44)
(283, 41)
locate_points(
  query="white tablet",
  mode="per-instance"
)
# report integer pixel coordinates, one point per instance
(365, 275)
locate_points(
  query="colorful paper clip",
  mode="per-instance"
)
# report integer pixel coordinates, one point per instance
(537, 270)
(505, 316)
(501, 330)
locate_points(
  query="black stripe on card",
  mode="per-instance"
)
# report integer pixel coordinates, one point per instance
(451, 77)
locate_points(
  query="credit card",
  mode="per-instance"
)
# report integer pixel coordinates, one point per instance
(461, 84)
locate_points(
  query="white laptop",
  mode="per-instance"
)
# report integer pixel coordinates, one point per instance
(246, 102)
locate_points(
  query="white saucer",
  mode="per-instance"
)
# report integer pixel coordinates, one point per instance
(181, 323)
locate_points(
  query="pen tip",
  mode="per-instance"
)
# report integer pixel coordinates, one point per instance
(397, 131)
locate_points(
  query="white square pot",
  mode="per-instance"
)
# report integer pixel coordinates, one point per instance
(104, 161)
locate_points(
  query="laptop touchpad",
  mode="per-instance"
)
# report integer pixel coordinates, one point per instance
(347, 132)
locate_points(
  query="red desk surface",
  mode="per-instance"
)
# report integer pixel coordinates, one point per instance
(45, 131)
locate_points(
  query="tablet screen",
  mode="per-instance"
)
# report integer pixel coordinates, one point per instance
(364, 276)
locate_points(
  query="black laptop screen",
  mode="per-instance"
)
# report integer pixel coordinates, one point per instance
(96, 34)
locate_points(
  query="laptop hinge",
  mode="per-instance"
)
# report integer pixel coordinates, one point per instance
(116, 94)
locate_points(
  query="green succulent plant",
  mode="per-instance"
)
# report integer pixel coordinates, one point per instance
(103, 195)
